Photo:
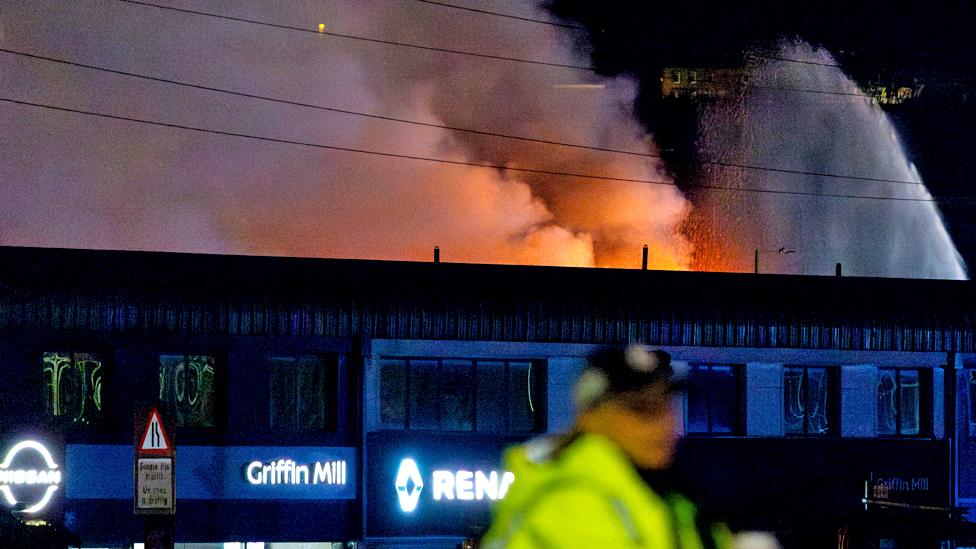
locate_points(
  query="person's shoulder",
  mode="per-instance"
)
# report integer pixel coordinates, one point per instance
(575, 512)
(598, 457)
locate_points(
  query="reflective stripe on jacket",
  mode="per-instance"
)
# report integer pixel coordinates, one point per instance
(590, 495)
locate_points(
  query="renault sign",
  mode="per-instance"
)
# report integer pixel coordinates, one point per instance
(441, 484)
(449, 484)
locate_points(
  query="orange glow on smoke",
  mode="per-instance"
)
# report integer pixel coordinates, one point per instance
(714, 249)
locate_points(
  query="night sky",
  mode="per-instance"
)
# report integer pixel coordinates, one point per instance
(75, 180)
(926, 43)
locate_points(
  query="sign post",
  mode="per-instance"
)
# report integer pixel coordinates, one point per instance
(155, 478)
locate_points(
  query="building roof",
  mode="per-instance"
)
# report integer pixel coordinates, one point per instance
(125, 291)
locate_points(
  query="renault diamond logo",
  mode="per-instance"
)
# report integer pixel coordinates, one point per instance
(408, 485)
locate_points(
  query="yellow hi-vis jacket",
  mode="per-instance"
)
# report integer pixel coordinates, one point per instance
(590, 495)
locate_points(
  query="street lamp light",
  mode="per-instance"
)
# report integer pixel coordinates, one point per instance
(782, 251)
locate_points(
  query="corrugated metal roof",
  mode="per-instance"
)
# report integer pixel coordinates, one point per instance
(165, 293)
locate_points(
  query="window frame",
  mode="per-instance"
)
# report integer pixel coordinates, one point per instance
(969, 379)
(537, 368)
(925, 402)
(106, 394)
(330, 365)
(832, 402)
(220, 363)
(738, 404)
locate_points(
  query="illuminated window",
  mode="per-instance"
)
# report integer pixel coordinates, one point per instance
(806, 401)
(302, 393)
(488, 396)
(714, 403)
(186, 389)
(74, 387)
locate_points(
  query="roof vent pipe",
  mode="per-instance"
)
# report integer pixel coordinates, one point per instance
(644, 261)
(437, 254)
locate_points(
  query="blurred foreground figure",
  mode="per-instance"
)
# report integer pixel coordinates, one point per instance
(606, 483)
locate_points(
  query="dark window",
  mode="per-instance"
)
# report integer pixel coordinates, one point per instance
(425, 395)
(393, 392)
(457, 384)
(521, 413)
(714, 404)
(74, 388)
(491, 409)
(488, 396)
(806, 401)
(186, 389)
(900, 401)
(302, 394)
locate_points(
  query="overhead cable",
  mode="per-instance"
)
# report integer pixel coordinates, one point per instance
(500, 167)
(495, 13)
(451, 128)
(356, 37)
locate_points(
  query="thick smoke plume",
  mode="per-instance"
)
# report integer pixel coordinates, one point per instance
(76, 181)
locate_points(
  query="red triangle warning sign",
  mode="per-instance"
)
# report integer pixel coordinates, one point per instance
(155, 440)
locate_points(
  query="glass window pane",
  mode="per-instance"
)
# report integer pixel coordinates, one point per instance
(539, 392)
(298, 393)
(73, 387)
(457, 395)
(491, 390)
(283, 413)
(723, 397)
(909, 403)
(794, 401)
(424, 395)
(697, 394)
(971, 393)
(886, 402)
(817, 400)
(393, 393)
(312, 393)
(186, 389)
(92, 369)
(521, 405)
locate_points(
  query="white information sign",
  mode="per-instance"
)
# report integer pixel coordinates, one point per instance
(154, 483)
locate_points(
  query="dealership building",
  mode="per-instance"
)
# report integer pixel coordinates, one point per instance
(330, 403)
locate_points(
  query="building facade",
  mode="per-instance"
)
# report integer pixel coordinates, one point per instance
(368, 402)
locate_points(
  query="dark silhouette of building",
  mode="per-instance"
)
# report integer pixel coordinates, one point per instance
(345, 400)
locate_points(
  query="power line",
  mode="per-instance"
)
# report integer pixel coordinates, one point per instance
(458, 162)
(788, 60)
(801, 90)
(447, 127)
(355, 37)
(495, 134)
(486, 12)
(495, 57)
(325, 108)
